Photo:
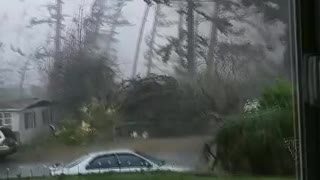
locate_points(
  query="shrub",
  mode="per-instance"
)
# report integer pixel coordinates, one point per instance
(69, 135)
(277, 96)
(74, 133)
(92, 121)
(253, 142)
(100, 117)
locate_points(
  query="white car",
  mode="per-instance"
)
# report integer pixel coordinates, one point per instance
(114, 161)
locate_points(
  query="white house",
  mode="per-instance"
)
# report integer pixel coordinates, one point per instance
(27, 118)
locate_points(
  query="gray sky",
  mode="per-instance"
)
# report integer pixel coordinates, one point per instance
(15, 16)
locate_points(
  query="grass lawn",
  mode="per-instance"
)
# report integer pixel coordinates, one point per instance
(157, 176)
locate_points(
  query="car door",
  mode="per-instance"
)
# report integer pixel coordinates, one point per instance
(132, 163)
(103, 164)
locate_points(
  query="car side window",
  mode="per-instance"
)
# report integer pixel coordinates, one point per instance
(103, 162)
(131, 160)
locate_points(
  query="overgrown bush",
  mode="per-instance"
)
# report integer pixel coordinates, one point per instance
(74, 133)
(253, 142)
(93, 120)
(277, 96)
(99, 116)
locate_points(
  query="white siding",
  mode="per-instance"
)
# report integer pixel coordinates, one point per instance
(15, 121)
(39, 132)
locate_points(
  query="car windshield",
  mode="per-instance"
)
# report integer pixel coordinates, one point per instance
(76, 162)
(151, 158)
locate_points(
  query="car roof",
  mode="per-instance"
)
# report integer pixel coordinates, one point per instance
(111, 152)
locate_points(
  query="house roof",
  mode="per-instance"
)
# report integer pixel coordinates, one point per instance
(21, 104)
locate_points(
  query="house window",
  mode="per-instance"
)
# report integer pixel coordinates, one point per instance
(5, 119)
(46, 117)
(29, 120)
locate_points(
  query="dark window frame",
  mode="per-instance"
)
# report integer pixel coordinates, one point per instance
(45, 114)
(306, 36)
(30, 123)
(143, 165)
(89, 165)
(4, 117)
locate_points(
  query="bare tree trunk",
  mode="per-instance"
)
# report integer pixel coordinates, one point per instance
(57, 39)
(136, 57)
(196, 26)
(57, 64)
(98, 9)
(212, 43)
(23, 73)
(191, 39)
(96, 17)
(114, 25)
(180, 34)
(80, 28)
(152, 40)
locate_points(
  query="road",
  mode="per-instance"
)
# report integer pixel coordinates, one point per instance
(181, 151)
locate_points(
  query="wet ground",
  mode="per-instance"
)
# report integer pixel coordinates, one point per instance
(34, 162)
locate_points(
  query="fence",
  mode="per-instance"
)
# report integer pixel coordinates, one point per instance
(10, 171)
(43, 171)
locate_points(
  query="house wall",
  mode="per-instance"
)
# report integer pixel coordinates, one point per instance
(15, 121)
(41, 130)
(56, 114)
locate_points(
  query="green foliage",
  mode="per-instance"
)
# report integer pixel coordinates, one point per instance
(92, 121)
(100, 117)
(277, 96)
(73, 134)
(253, 142)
